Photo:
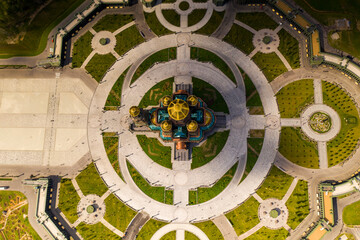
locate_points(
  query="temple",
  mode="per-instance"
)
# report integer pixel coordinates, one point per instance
(181, 118)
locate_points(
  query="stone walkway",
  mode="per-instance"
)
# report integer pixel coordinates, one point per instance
(179, 228)
(223, 201)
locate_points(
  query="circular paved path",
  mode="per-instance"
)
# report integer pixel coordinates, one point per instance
(228, 199)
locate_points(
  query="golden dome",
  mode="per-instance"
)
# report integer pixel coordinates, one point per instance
(134, 111)
(178, 109)
(207, 118)
(153, 118)
(192, 126)
(166, 100)
(166, 126)
(192, 100)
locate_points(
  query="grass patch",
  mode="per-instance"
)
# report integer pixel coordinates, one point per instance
(68, 200)
(195, 16)
(37, 32)
(270, 64)
(111, 144)
(117, 213)
(155, 150)
(213, 23)
(298, 204)
(112, 22)
(204, 194)
(153, 96)
(190, 236)
(82, 49)
(114, 97)
(149, 229)
(257, 20)
(351, 214)
(348, 235)
(164, 55)
(346, 141)
(99, 64)
(209, 149)
(295, 97)
(203, 55)
(210, 229)
(5, 179)
(253, 151)
(252, 96)
(127, 39)
(209, 95)
(240, 38)
(289, 47)
(155, 25)
(90, 182)
(172, 17)
(244, 217)
(95, 231)
(157, 193)
(266, 233)
(275, 185)
(298, 148)
(18, 224)
(169, 236)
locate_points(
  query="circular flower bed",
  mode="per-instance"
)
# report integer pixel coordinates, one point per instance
(184, 6)
(90, 209)
(274, 213)
(267, 39)
(103, 41)
(320, 122)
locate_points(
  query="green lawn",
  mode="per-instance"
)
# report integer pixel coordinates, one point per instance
(17, 225)
(252, 156)
(155, 150)
(117, 213)
(298, 204)
(346, 141)
(195, 16)
(289, 47)
(164, 55)
(210, 229)
(351, 214)
(172, 17)
(209, 149)
(270, 64)
(240, 38)
(157, 193)
(96, 232)
(90, 182)
(253, 100)
(204, 194)
(189, 236)
(112, 22)
(275, 185)
(266, 233)
(149, 229)
(153, 96)
(128, 39)
(348, 235)
(257, 20)
(298, 148)
(203, 55)
(295, 97)
(155, 25)
(244, 217)
(210, 95)
(169, 236)
(99, 64)
(111, 144)
(82, 49)
(113, 100)
(37, 32)
(68, 200)
(213, 23)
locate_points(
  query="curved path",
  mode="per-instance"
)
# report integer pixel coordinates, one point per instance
(221, 203)
(174, 227)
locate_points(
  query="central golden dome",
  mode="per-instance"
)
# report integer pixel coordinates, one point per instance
(178, 109)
